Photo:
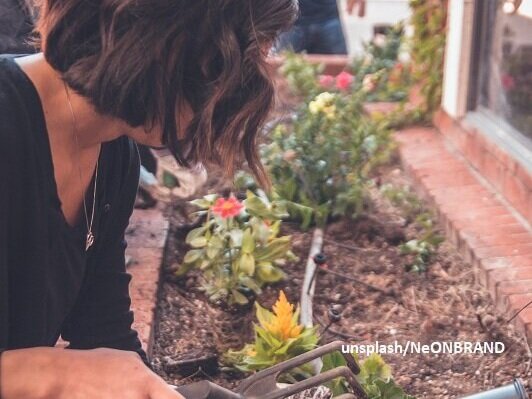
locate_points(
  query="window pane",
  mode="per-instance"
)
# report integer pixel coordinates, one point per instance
(506, 63)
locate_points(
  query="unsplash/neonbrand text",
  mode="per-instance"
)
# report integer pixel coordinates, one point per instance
(436, 347)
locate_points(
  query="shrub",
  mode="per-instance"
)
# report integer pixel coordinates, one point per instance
(238, 248)
(300, 74)
(278, 337)
(380, 72)
(323, 158)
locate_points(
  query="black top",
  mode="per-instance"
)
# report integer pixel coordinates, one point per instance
(317, 11)
(49, 285)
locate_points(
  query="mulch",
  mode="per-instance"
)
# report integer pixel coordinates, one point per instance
(442, 304)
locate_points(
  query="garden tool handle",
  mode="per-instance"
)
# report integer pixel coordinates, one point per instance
(263, 384)
(206, 390)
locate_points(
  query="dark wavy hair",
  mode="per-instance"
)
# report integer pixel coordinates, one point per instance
(142, 60)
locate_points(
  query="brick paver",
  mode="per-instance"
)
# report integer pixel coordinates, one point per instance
(484, 230)
(146, 236)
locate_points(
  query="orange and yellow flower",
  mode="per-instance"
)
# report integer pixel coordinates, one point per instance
(227, 208)
(283, 325)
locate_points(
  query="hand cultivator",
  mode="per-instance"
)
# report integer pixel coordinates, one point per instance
(263, 385)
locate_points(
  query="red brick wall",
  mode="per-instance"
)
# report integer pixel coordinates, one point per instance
(503, 172)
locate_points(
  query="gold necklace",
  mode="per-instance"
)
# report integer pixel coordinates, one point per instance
(90, 235)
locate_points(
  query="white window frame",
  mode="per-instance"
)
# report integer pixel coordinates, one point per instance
(456, 84)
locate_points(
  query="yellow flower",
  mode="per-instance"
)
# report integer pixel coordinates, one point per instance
(330, 111)
(283, 324)
(323, 103)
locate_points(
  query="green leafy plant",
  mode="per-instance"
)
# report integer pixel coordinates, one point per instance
(379, 72)
(420, 250)
(428, 50)
(278, 337)
(245, 182)
(375, 377)
(238, 248)
(300, 74)
(323, 158)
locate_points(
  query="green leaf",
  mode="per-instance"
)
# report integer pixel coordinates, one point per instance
(268, 273)
(275, 249)
(216, 242)
(275, 228)
(250, 283)
(374, 367)
(248, 242)
(255, 206)
(300, 212)
(266, 336)
(184, 269)
(238, 297)
(264, 316)
(247, 263)
(192, 255)
(198, 242)
(192, 234)
(212, 252)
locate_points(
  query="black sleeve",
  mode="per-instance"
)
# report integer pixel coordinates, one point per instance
(102, 317)
(4, 208)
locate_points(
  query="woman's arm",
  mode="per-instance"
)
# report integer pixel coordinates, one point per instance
(50, 373)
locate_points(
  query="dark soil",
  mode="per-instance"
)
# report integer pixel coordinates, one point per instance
(443, 304)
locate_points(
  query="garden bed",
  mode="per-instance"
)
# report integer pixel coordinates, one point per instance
(442, 304)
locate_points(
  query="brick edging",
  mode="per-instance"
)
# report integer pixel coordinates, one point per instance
(482, 227)
(146, 236)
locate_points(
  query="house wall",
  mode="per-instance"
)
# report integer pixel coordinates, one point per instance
(378, 12)
(501, 159)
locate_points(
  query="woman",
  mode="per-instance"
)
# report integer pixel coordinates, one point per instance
(190, 75)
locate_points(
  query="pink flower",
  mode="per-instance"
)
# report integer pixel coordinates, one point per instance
(344, 80)
(508, 82)
(326, 81)
(227, 208)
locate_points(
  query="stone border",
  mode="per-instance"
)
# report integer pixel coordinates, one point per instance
(477, 220)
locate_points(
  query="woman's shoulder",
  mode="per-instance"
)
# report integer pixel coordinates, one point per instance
(14, 102)
(10, 74)
(16, 93)
(7, 84)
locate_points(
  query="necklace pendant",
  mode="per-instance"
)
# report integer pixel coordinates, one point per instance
(90, 241)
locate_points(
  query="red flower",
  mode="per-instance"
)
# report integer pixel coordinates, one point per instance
(227, 208)
(344, 80)
(326, 81)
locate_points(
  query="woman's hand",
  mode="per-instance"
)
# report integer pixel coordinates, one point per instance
(47, 373)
